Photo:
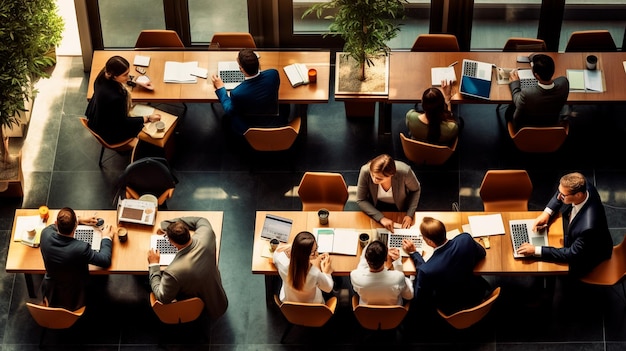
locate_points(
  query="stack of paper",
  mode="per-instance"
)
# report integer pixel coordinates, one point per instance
(437, 74)
(483, 225)
(585, 80)
(180, 72)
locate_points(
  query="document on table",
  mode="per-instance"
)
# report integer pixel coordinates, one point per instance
(180, 72)
(437, 74)
(483, 225)
(584, 80)
(336, 241)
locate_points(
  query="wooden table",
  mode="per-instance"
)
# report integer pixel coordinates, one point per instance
(129, 257)
(203, 91)
(499, 259)
(410, 74)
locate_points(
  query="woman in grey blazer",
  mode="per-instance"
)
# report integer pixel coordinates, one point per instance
(390, 186)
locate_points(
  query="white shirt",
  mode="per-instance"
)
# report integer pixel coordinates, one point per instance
(385, 196)
(315, 280)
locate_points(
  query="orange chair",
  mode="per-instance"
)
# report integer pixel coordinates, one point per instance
(178, 312)
(506, 190)
(590, 41)
(323, 190)
(538, 139)
(121, 146)
(158, 39)
(524, 44)
(306, 314)
(53, 317)
(466, 318)
(273, 139)
(436, 43)
(232, 40)
(611, 271)
(379, 317)
(422, 153)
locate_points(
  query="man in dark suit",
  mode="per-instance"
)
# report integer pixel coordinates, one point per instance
(193, 272)
(254, 102)
(67, 260)
(586, 237)
(447, 280)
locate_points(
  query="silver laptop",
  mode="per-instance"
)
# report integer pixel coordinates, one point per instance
(166, 249)
(90, 235)
(276, 227)
(476, 79)
(522, 232)
(394, 240)
(136, 211)
(527, 78)
(230, 74)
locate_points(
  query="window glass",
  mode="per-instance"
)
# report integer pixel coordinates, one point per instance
(494, 22)
(122, 20)
(209, 16)
(591, 15)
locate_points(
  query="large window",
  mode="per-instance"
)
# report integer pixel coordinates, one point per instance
(122, 20)
(593, 14)
(495, 21)
(209, 16)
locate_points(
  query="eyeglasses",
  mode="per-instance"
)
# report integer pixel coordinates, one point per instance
(562, 196)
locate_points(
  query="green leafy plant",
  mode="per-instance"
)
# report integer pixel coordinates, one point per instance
(29, 29)
(365, 25)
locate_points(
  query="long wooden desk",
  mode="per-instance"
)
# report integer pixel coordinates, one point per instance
(203, 91)
(410, 74)
(499, 259)
(129, 257)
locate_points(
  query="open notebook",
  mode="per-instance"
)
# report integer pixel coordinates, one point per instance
(336, 240)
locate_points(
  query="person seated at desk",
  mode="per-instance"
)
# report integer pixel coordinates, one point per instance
(193, 272)
(67, 260)
(378, 278)
(436, 125)
(109, 107)
(305, 273)
(447, 279)
(586, 237)
(539, 105)
(254, 102)
(388, 185)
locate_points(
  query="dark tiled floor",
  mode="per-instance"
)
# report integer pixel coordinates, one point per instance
(60, 162)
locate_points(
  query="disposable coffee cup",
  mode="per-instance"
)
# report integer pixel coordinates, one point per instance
(273, 244)
(312, 75)
(31, 233)
(364, 239)
(323, 216)
(122, 234)
(592, 62)
(160, 126)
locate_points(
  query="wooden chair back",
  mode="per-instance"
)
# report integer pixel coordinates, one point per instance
(506, 190)
(54, 317)
(538, 139)
(232, 40)
(436, 43)
(379, 317)
(524, 44)
(323, 190)
(307, 314)
(158, 39)
(466, 318)
(183, 311)
(422, 153)
(590, 41)
(273, 139)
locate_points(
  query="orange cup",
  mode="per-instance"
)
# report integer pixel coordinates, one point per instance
(312, 75)
(44, 213)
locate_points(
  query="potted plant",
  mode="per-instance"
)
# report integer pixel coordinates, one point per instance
(28, 30)
(365, 25)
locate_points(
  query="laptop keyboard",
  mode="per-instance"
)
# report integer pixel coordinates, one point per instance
(527, 83)
(395, 240)
(519, 233)
(232, 76)
(470, 68)
(88, 235)
(165, 247)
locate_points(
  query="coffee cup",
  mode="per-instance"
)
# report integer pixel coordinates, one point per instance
(312, 75)
(31, 233)
(274, 244)
(364, 239)
(44, 213)
(160, 126)
(323, 216)
(122, 234)
(592, 62)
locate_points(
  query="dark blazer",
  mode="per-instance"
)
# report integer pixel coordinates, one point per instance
(67, 267)
(448, 279)
(107, 112)
(539, 107)
(586, 240)
(193, 272)
(254, 102)
(406, 191)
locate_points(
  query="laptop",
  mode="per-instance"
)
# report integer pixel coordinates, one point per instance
(527, 78)
(90, 235)
(476, 79)
(522, 232)
(394, 240)
(230, 73)
(136, 211)
(166, 249)
(276, 227)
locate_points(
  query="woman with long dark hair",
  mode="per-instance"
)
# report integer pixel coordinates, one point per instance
(436, 125)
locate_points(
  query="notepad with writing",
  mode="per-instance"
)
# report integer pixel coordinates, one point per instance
(336, 241)
(437, 74)
(584, 80)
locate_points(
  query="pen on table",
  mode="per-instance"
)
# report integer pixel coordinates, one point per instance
(453, 63)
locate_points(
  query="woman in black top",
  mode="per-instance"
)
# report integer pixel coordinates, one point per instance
(108, 110)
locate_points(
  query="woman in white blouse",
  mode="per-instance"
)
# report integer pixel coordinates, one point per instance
(305, 273)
